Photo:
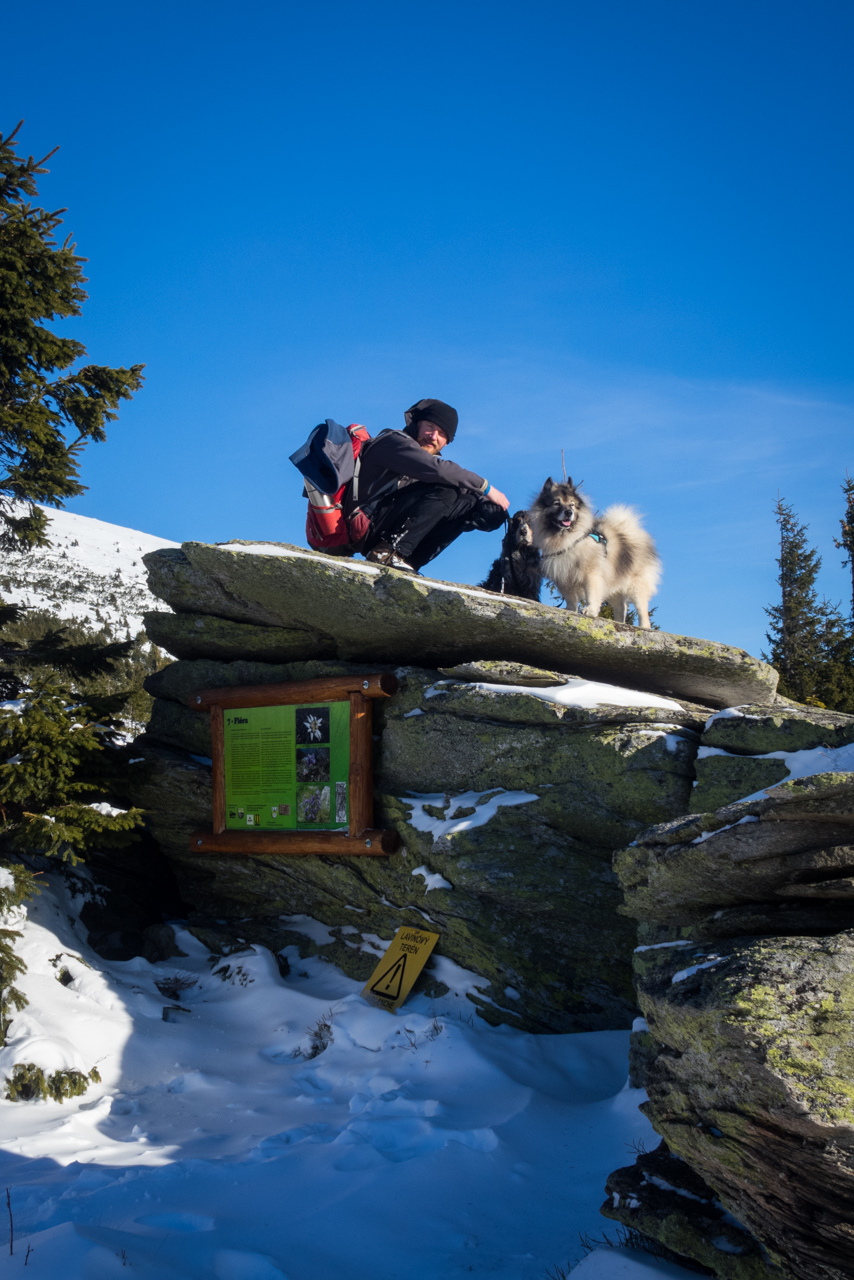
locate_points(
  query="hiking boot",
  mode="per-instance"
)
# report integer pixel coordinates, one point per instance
(385, 554)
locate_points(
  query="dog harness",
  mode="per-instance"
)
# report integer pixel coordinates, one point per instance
(599, 537)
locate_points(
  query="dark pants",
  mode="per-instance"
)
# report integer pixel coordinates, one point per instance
(421, 520)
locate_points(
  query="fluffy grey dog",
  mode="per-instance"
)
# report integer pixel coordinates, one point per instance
(594, 558)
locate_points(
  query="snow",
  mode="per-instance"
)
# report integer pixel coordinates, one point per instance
(657, 946)
(725, 1245)
(707, 835)
(92, 571)
(313, 929)
(800, 764)
(574, 693)
(729, 713)
(289, 553)
(695, 968)
(432, 879)
(485, 804)
(626, 1264)
(211, 1151)
(434, 584)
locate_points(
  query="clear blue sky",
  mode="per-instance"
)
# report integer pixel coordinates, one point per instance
(622, 228)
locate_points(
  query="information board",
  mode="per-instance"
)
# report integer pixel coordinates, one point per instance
(287, 767)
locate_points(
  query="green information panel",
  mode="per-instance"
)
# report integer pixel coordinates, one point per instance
(287, 768)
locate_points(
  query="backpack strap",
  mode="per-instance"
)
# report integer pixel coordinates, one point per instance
(354, 483)
(352, 501)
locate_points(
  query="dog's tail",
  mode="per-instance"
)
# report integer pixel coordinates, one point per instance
(622, 520)
(622, 527)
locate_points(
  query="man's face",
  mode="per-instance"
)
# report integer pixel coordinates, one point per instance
(431, 437)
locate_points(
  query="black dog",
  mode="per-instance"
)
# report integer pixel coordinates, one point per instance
(516, 572)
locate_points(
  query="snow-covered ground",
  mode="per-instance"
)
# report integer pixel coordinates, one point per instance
(92, 571)
(216, 1148)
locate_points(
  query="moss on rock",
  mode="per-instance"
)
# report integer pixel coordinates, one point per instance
(513, 673)
(744, 854)
(725, 779)
(753, 730)
(177, 726)
(755, 1088)
(201, 635)
(664, 1199)
(178, 681)
(379, 615)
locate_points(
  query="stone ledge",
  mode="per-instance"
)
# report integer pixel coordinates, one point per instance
(378, 615)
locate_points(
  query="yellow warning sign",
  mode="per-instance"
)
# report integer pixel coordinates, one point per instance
(391, 981)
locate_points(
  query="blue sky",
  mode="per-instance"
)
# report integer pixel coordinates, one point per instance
(619, 228)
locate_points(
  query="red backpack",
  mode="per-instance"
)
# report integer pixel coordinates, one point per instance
(327, 528)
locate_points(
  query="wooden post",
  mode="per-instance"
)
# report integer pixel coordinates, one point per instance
(326, 689)
(218, 753)
(361, 787)
(297, 844)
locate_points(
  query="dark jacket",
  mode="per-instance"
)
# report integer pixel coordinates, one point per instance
(393, 459)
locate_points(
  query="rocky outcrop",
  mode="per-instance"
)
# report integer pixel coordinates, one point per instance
(522, 893)
(744, 749)
(669, 1201)
(787, 854)
(201, 635)
(745, 976)
(546, 827)
(362, 613)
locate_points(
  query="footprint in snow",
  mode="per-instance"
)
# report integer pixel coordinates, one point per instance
(235, 1264)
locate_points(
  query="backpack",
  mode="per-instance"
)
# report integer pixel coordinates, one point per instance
(329, 463)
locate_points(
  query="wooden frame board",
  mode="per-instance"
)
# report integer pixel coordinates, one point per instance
(361, 837)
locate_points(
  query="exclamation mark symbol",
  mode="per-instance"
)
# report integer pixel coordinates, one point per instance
(388, 984)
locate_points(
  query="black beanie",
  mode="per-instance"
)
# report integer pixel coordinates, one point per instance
(435, 411)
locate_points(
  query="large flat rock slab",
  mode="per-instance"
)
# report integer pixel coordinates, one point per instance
(754, 1089)
(779, 863)
(371, 614)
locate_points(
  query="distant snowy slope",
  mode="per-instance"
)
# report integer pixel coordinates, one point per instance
(92, 571)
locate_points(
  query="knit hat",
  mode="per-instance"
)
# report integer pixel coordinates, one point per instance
(435, 411)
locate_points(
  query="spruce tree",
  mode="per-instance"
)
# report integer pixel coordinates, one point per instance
(49, 409)
(55, 738)
(795, 622)
(811, 643)
(846, 542)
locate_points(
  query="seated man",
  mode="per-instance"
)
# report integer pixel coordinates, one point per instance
(419, 502)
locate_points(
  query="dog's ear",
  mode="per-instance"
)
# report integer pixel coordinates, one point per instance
(548, 486)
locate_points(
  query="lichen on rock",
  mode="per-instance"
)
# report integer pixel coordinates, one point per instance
(380, 615)
(754, 1087)
(664, 1198)
(745, 976)
(533, 898)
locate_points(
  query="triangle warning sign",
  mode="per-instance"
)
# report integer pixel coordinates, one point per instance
(388, 984)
